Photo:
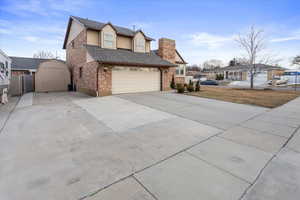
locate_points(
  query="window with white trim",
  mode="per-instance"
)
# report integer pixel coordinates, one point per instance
(140, 45)
(108, 40)
(180, 70)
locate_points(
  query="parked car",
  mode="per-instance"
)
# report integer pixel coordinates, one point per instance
(209, 82)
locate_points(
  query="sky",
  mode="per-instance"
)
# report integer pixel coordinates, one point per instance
(203, 29)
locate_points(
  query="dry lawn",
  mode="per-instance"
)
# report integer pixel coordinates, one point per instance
(265, 98)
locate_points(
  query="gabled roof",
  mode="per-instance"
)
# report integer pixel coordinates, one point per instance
(22, 63)
(183, 61)
(125, 57)
(2, 53)
(95, 25)
(247, 67)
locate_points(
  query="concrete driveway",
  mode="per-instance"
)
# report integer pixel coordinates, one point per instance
(148, 146)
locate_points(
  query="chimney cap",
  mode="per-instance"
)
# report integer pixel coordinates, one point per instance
(168, 39)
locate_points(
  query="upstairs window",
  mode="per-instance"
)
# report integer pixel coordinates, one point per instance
(140, 45)
(108, 40)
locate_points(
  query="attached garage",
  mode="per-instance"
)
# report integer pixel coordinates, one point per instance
(51, 76)
(135, 79)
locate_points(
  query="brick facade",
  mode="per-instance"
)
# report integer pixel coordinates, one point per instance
(87, 83)
(76, 54)
(167, 51)
(97, 80)
(19, 72)
(105, 80)
(180, 80)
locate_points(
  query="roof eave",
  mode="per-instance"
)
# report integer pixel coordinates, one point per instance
(134, 64)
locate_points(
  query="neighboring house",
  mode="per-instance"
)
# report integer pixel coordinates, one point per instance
(38, 74)
(106, 59)
(241, 72)
(5, 66)
(23, 65)
(211, 74)
(180, 75)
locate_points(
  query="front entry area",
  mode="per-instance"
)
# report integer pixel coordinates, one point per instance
(135, 79)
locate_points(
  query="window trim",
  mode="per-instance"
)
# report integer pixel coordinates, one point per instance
(140, 45)
(110, 40)
(180, 70)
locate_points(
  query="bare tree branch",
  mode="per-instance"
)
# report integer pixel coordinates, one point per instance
(253, 43)
(296, 60)
(43, 54)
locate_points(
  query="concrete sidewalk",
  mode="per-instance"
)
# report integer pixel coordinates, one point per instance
(151, 146)
(25, 101)
(5, 110)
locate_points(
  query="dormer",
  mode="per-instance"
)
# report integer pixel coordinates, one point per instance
(105, 35)
(108, 37)
(139, 42)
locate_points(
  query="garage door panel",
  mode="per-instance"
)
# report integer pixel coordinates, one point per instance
(129, 81)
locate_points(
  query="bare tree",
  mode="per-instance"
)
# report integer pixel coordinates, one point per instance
(212, 64)
(296, 60)
(43, 54)
(193, 67)
(253, 43)
(238, 61)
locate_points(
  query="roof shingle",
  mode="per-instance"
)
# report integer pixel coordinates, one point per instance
(247, 67)
(99, 25)
(22, 63)
(125, 57)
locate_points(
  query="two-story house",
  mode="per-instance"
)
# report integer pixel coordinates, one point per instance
(106, 59)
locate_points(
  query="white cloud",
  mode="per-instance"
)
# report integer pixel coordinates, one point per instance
(31, 38)
(285, 39)
(43, 7)
(209, 40)
(67, 5)
(45, 40)
(294, 35)
(4, 31)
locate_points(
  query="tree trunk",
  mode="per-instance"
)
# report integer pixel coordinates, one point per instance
(251, 80)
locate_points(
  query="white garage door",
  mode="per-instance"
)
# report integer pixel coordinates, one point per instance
(134, 79)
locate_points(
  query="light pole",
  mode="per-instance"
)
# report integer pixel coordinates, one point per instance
(296, 80)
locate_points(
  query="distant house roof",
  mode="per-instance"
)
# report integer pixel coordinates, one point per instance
(125, 57)
(248, 67)
(22, 63)
(2, 53)
(95, 25)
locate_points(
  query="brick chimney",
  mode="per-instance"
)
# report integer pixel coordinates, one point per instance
(166, 49)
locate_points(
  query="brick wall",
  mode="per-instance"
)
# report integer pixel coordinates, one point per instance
(76, 54)
(88, 81)
(167, 74)
(19, 72)
(105, 80)
(180, 80)
(167, 51)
